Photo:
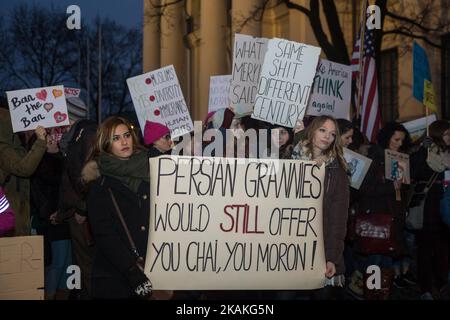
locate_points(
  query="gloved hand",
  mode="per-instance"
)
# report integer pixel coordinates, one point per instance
(144, 290)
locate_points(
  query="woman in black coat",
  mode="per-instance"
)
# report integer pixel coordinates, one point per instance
(118, 168)
(433, 239)
(379, 195)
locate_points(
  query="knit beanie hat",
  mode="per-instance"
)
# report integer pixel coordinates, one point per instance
(153, 131)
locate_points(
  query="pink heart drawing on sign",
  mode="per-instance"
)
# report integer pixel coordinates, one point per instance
(42, 95)
(60, 117)
(48, 106)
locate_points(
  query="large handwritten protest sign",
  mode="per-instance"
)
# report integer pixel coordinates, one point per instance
(219, 223)
(285, 82)
(219, 98)
(331, 90)
(22, 268)
(157, 97)
(31, 108)
(248, 56)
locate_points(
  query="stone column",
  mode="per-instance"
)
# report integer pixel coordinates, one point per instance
(213, 48)
(241, 10)
(173, 50)
(151, 37)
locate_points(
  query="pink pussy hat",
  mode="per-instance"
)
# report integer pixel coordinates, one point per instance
(153, 131)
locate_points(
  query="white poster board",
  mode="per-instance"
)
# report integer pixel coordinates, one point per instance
(358, 165)
(285, 82)
(35, 107)
(219, 88)
(248, 57)
(157, 97)
(397, 166)
(418, 128)
(227, 223)
(331, 90)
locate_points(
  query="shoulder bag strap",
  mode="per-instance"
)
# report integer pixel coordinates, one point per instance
(430, 182)
(122, 220)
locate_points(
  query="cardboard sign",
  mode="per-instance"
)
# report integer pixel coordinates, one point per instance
(228, 223)
(397, 166)
(157, 97)
(331, 90)
(285, 82)
(31, 108)
(418, 128)
(72, 92)
(358, 165)
(219, 87)
(22, 268)
(248, 57)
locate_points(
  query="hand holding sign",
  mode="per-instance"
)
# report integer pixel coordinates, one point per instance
(41, 133)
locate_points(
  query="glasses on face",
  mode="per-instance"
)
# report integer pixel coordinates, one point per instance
(166, 137)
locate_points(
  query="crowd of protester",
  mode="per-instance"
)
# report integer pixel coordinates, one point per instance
(88, 195)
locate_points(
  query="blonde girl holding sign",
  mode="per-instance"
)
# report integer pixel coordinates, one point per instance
(321, 143)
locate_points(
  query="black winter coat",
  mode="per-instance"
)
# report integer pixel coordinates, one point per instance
(421, 172)
(378, 196)
(115, 274)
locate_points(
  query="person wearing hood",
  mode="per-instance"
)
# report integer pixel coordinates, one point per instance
(118, 203)
(157, 137)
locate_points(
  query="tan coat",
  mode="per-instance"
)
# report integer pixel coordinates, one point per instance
(19, 165)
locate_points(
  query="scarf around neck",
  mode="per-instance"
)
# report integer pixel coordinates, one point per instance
(438, 160)
(131, 172)
(300, 152)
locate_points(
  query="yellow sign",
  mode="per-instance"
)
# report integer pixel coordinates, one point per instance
(428, 96)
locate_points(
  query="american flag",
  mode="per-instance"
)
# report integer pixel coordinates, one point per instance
(370, 111)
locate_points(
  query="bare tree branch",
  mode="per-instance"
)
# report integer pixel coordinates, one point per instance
(403, 32)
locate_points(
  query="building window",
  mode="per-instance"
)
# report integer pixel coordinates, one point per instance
(445, 81)
(388, 84)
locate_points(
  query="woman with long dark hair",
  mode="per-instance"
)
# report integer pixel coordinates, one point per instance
(118, 203)
(380, 195)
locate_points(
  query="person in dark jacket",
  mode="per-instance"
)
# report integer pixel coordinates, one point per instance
(118, 168)
(380, 195)
(72, 204)
(433, 239)
(45, 186)
(321, 143)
